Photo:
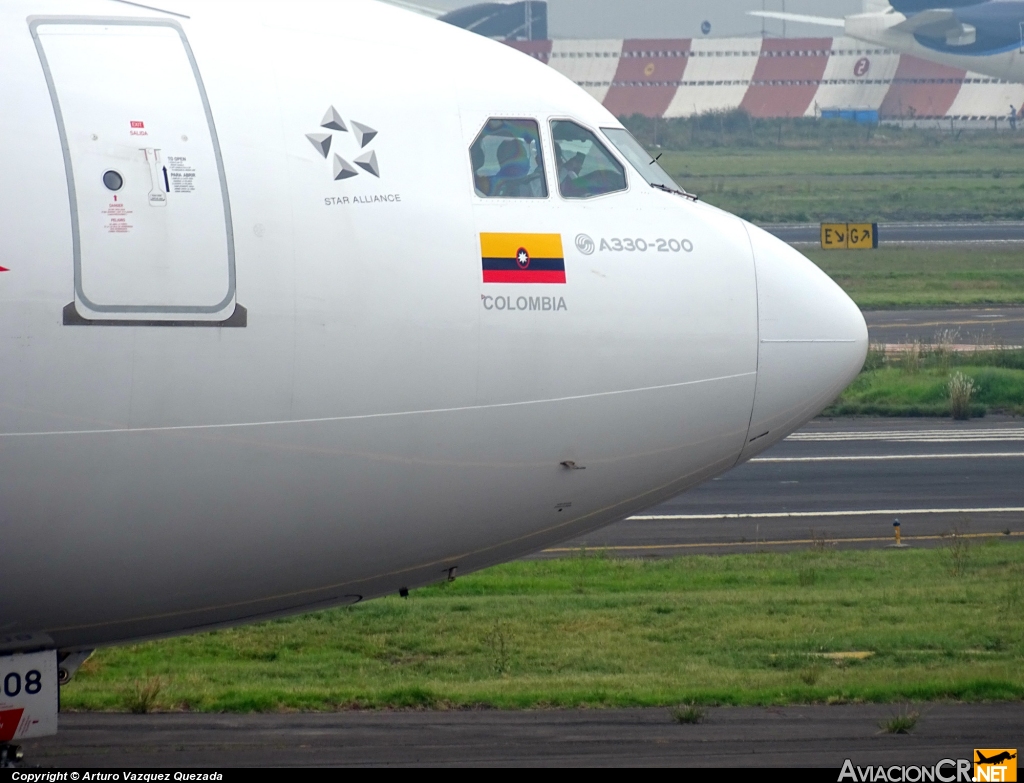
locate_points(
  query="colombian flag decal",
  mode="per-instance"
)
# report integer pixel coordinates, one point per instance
(522, 258)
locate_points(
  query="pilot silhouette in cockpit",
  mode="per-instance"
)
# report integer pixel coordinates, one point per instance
(513, 168)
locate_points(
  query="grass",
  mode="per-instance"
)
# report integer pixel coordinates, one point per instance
(958, 547)
(961, 390)
(789, 186)
(806, 170)
(926, 276)
(902, 722)
(141, 696)
(738, 629)
(737, 130)
(689, 713)
(900, 386)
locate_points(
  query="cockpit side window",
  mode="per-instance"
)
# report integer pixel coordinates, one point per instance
(646, 166)
(585, 167)
(507, 160)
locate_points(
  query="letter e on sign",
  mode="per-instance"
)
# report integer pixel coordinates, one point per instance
(833, 236)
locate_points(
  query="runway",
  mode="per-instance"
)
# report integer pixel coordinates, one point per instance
(977, 325)
(842, 483)
(895, 233)
(845, 479)
(810, 736)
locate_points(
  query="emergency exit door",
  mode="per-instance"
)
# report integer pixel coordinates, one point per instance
(150, 213)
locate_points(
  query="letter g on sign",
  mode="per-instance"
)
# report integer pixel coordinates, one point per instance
(584, 244)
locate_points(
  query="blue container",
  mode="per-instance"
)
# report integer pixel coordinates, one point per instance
(860, 116)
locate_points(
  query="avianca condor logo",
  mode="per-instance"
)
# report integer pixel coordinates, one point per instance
(364, 134)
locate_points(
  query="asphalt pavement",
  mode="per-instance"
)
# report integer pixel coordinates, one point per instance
(810, 233)
(971, 326)
(842, 483)
(808, 736)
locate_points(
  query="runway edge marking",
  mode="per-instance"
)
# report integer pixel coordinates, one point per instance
(802, 514)
(789, 542)
(887, 457)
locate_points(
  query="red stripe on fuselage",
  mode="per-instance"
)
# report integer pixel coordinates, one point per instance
(523, 276)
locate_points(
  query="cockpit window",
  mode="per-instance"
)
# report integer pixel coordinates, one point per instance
(585, 167)
(638, 157)
(507, 160)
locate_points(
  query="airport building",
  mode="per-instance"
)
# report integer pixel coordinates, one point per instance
(716, 57)
(773, 77)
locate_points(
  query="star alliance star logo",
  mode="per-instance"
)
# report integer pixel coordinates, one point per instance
(364, 134)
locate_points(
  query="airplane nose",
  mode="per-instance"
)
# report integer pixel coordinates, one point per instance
(812, 341)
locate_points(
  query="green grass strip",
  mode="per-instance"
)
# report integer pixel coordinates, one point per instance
(807, 170)
(909, 386)
(926, 276)
(601, 632)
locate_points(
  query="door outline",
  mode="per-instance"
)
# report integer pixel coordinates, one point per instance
(238, 317)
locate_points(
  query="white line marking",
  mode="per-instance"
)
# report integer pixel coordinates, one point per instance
(918, 436)
(911, 436)
(934, 431)
(955, 348)
(788, 542)
(885, 457)
(948, 242)
(358, 417)
(801, 514)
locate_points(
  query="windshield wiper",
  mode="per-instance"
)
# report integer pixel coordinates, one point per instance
(676, 191)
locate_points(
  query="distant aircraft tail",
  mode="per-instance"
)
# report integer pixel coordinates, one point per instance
(876, 6)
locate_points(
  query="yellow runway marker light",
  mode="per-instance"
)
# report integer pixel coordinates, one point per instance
(896, 534)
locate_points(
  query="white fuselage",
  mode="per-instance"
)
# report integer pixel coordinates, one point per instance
(883, 29)
(280, 390)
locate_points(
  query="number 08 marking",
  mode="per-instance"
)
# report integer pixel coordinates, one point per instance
(33, 683)
(12, 684)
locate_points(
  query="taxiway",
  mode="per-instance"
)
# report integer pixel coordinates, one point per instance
(806, 736)
(842, 482)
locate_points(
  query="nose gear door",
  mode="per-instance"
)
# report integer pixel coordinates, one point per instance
(151, 219)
